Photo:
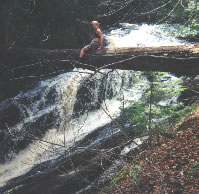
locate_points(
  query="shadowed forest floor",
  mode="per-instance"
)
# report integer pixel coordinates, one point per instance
(171, 166)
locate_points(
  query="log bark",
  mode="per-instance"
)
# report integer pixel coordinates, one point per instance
(33, 63)
(175, 59)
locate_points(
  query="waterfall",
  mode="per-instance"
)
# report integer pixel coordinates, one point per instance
(58, 112)
(57, 105)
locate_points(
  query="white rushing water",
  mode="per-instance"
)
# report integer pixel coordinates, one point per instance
(75, 128)
(133, 35)
(62, 91)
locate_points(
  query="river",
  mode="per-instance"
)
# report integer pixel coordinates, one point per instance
(59, 121)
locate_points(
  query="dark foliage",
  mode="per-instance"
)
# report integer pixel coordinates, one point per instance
(65, 23)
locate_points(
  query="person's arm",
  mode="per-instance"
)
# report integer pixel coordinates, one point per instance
(99, 32)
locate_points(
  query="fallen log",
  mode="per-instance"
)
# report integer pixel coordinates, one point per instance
(31, 63)
(176, 59)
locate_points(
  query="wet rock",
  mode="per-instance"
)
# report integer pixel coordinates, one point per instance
(10, 114)
(70, 172)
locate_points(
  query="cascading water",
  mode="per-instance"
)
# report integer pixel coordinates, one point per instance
(59, 112)
(51, 108)
(134, 35)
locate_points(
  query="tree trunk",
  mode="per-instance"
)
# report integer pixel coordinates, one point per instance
(150, 109)
(38, 62)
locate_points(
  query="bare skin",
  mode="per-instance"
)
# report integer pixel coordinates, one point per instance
(95, 26)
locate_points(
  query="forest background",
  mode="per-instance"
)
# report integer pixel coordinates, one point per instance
(65, 23)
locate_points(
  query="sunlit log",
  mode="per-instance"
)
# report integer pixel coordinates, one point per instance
(183, 59)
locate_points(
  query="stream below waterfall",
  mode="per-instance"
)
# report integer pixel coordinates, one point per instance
(52, 134)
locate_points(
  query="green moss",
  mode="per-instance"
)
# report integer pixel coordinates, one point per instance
(182, 31)
(131, 172)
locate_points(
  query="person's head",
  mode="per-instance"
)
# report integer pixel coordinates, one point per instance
(95, 24)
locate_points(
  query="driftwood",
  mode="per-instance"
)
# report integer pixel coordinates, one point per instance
(33, 63)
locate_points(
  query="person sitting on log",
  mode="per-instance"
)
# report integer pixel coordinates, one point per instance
(97, 40)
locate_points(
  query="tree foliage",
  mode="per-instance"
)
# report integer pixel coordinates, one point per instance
(158, 109)
(45, 24)
(64, 23)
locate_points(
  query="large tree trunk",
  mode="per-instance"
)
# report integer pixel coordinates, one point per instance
(20, 67)
(38, 62)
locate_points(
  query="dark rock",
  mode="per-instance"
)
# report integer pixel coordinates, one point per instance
(70, 173)
(10, 114)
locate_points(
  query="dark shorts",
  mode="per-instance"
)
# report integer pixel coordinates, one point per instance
(93, 46)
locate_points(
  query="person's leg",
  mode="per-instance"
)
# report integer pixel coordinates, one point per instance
(83, 51)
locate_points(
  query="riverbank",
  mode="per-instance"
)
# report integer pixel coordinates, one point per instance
(167, 167)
